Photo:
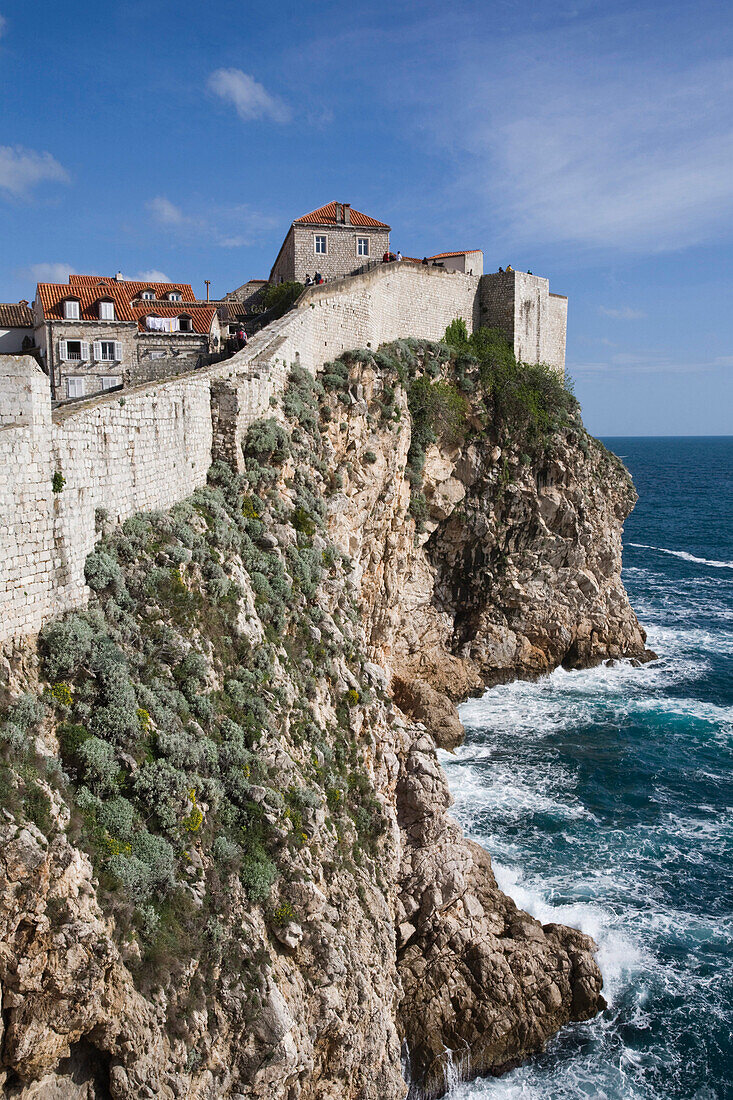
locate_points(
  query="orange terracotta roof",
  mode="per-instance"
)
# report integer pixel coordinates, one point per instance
(53, 295)
(201, 316)
(326, 215)
(134, 286)
(445, 255)
(16, 315)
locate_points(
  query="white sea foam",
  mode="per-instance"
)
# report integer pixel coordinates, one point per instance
(684, 556)
(691, 639)
(616, 694)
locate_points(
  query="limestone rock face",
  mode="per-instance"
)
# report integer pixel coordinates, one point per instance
(416, 954)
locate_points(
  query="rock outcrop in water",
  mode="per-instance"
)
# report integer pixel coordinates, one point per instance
(228, 867)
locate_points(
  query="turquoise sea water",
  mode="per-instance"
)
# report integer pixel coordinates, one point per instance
(606, 800)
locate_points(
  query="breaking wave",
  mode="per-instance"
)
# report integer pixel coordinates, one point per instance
(683, 555)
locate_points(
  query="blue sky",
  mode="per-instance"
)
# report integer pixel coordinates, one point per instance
(590, 142)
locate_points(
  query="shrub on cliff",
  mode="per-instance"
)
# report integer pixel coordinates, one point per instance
(525, 402)
(456, 335)
(266, 441)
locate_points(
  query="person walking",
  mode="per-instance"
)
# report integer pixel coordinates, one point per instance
(399, 256)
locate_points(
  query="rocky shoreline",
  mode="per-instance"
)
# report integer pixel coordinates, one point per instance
(293, 642)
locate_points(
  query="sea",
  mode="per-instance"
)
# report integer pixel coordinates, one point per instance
(605, 798)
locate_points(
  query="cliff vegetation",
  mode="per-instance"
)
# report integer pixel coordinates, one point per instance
(227, 865)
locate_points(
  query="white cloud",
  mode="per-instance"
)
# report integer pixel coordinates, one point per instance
(165, 212)
(233, 226)
(626, 313)
(600, 149)
(151, 276)
(49, 272)
(249, 98)
(23, 169)
(3, 25)
(628, 363)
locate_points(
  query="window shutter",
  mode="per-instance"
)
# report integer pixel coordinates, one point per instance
(118, 351)
(84, 350)
(63, 353)
(98, 351)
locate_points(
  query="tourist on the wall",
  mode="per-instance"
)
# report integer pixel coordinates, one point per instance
(399, 256)
(308, 280)
(386, 258)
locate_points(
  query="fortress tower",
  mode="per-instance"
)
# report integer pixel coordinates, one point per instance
(532, 319)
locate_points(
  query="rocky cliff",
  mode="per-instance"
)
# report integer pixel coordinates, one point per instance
(228, 867)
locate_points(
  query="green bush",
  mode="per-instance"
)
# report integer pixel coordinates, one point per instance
(266, 441)
(27, 712)
(281, 296)
(102, 571)
(257, 873)
(99, 764)
(456, 335)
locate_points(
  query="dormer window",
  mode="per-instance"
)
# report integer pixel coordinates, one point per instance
(185, 324)
(71, 309)
(148, 295)
(106, 310)
(174, 296)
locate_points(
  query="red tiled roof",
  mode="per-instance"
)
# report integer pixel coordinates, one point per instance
(88, 294)
(16, 315)
(326, 215)
(445, 255)
(134, 286)
(201, 316)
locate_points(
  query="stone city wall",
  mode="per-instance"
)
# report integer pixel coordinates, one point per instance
(152, 446)
(532, 319)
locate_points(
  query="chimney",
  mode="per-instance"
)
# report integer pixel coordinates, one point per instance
(346, 207)
(23, 302)
(119, 277)
(338, 212)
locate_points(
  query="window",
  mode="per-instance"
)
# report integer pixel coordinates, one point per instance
(148, 295)
(107, 351)
(75, 387)
(174, 296)
(362, 246)
(110, 381)
(73, 349)
(320, 244)
(71, 309)
(106, 311)
(185, 324)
